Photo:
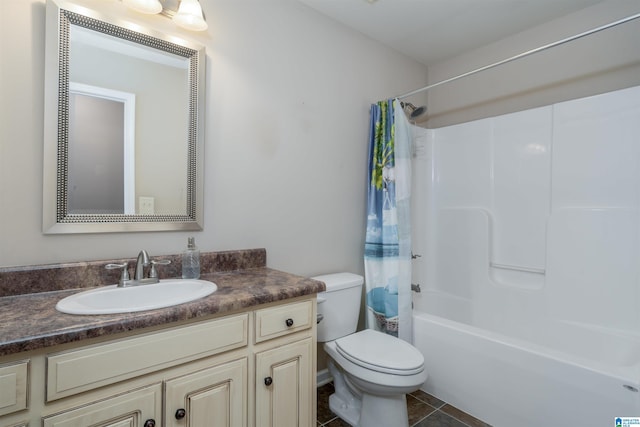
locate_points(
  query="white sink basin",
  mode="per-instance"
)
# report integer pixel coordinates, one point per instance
(112, 299)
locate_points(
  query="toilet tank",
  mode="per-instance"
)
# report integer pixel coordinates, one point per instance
(339, 305)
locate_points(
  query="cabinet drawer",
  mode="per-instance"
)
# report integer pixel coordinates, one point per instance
(92, 367)
(14, 380)
(276, 321)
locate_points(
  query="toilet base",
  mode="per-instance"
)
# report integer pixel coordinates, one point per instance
(347, 411)
(376, 411)
(363, 409)
(345, 402)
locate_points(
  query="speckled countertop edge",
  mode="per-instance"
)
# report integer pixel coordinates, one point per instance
(57, 277)
(30, 322)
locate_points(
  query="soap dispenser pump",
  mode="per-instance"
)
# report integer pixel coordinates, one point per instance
(191, 260)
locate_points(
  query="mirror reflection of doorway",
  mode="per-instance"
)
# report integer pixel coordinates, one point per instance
(101, 175)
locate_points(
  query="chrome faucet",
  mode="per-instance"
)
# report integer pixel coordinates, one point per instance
(143, 260)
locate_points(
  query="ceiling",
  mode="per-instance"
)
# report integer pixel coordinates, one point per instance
(431, 31)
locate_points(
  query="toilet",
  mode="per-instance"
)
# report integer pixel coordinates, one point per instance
(372, 371)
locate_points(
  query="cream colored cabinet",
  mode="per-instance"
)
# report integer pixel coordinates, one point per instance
(285, 366)
(138, 408)
(284, 386)
(213, 397)
(14, 379)
(282, 320)
(72, 372)
(247, 369)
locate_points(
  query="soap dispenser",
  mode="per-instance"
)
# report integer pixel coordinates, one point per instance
(191, 260)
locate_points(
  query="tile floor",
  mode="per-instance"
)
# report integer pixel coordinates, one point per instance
(424, 411)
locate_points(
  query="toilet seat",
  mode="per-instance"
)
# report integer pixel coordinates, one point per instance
(380, 352)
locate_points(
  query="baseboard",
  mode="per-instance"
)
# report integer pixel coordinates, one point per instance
(324, 377)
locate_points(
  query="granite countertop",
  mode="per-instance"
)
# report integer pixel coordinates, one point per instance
(30, 321)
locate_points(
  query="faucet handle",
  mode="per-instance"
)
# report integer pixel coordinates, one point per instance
(125, 270)
(153, 273)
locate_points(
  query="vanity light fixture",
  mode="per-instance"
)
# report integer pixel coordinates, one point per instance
(184, 13)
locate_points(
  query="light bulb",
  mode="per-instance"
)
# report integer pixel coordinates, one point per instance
(189, 16)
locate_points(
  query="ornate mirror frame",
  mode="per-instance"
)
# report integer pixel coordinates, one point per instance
(56, 217)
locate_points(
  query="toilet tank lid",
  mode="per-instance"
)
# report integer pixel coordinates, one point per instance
(337, 281)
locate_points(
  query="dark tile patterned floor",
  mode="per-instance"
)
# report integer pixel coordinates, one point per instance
(424, 411)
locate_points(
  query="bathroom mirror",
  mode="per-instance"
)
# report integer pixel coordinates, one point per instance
(123, 134)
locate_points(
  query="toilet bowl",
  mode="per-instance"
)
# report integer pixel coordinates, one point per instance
(372, 371)
(375, 388)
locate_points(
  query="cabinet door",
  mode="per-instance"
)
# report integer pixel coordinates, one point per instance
(284, 386)
(14, 380)
(138, 408)
(213, 397)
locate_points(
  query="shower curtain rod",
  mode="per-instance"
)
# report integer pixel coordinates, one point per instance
(522, 55)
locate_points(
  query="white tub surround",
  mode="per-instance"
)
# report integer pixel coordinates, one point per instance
(531, 239)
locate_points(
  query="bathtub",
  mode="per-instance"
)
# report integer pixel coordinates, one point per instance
(512, 371)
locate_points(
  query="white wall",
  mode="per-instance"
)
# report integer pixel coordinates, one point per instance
(598, 63)
(288, 94)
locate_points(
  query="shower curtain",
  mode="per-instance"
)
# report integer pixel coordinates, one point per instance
(387, 255)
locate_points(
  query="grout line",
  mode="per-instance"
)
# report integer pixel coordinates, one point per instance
(332, 419)
(459, 420)
(421, 419)
(430, 404)
(446, 416)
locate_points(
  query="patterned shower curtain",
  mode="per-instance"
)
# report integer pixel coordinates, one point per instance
(387, 255)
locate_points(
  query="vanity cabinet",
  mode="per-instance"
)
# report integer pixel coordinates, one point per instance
(245, 369)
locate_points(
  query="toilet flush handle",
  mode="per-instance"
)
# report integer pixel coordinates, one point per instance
(320, 316)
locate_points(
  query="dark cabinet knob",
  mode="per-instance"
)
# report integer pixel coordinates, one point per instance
(268, 381)
(150, 423)
(180, 414)
(289, 322)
